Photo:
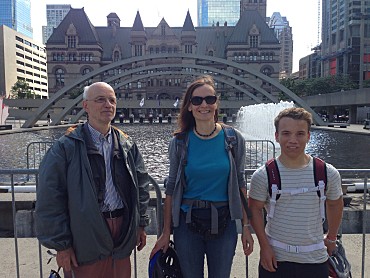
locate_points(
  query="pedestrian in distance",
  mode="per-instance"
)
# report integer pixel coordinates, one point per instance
(48, 118)
(292, 243)
(93, 193)
(203, 199)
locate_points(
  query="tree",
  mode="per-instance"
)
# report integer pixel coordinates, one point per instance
(21, 89)
(75, 92)
(320, 85)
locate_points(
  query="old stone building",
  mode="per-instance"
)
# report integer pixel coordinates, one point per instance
(77, 47)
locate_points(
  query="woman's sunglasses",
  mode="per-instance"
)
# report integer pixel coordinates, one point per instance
(198, 100)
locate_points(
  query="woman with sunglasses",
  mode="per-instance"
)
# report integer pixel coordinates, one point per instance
(203, 197)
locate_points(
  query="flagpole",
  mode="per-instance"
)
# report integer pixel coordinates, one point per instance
(2, 108)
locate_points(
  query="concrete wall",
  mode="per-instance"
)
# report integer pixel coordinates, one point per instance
(351, 224)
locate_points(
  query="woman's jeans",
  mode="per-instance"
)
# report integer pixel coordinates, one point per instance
(191, 248)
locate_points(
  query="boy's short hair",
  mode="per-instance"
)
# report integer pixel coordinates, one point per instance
(296, 114)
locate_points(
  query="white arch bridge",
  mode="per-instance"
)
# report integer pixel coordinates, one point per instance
(240, 77)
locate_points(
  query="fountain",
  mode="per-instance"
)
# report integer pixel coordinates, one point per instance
(256, 122)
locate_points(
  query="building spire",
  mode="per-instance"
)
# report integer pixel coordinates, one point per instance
(138, 24)
(188, 24)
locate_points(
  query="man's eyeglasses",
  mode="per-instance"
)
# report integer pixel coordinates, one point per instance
(111, 100)
(198, 100)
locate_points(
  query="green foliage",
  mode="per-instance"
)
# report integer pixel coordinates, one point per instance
(366, 83)
(21, 89)
(75, 92)
(319, 86)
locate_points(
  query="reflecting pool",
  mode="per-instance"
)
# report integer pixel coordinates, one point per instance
(341, 149)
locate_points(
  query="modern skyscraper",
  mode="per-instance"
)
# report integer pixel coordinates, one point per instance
(211, 12)
(345, 47)
(283, 32)
(54, 16)
(22, 58)
(16, 14)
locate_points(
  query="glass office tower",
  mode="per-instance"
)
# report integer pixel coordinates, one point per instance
(16, 14)
(212, 11)
(54, 16)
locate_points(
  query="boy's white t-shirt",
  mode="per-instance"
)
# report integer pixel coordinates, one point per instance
(296, 219)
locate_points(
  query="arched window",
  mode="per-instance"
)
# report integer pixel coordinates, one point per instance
(85, 71)
(267, 70)
(116, 56)
(59, 77)
(210, 53)
(72, 41)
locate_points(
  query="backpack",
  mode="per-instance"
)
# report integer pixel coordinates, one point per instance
(232, 143)
(274, 183)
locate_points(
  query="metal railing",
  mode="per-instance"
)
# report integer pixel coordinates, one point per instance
(257, 152)
(361, 174)
(12, 173)
(35, 153)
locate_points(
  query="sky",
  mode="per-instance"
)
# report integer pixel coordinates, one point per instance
(301, 14)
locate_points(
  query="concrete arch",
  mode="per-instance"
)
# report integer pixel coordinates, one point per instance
(133, 61)
(136, 78)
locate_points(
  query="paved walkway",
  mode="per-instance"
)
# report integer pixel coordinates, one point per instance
(29, 261)
(352, 128)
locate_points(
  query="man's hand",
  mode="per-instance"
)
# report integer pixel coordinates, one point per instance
(330, 245)
(141, 238)
(65, 258)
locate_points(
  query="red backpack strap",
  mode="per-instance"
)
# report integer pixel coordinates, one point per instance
(319, 172)
(273, 175)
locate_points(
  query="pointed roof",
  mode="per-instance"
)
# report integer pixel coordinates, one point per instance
(113, 15)
(247, 21)
(85, 30)
(138, 24)
(188, 24)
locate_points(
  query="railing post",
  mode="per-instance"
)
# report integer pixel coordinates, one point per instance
(14, 225)
(364, 215)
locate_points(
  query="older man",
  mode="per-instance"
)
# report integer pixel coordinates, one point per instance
(93, 193)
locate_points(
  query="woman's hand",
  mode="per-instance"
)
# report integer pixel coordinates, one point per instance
(162, 243)
(247, 240)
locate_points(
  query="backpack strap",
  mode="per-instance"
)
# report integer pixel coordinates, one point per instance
(274, 184)
(230, 138)
(320, 175)
(181, 141)
(232, 144)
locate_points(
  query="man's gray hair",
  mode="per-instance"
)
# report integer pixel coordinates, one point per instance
(86, 89)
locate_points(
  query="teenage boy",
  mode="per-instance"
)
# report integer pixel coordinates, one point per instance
(292, 243)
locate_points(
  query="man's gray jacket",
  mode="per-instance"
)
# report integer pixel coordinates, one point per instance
(67, 207)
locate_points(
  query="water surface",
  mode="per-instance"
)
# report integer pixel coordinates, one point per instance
(343, 150)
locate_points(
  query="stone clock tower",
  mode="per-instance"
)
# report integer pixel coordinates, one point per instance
(253, 5)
